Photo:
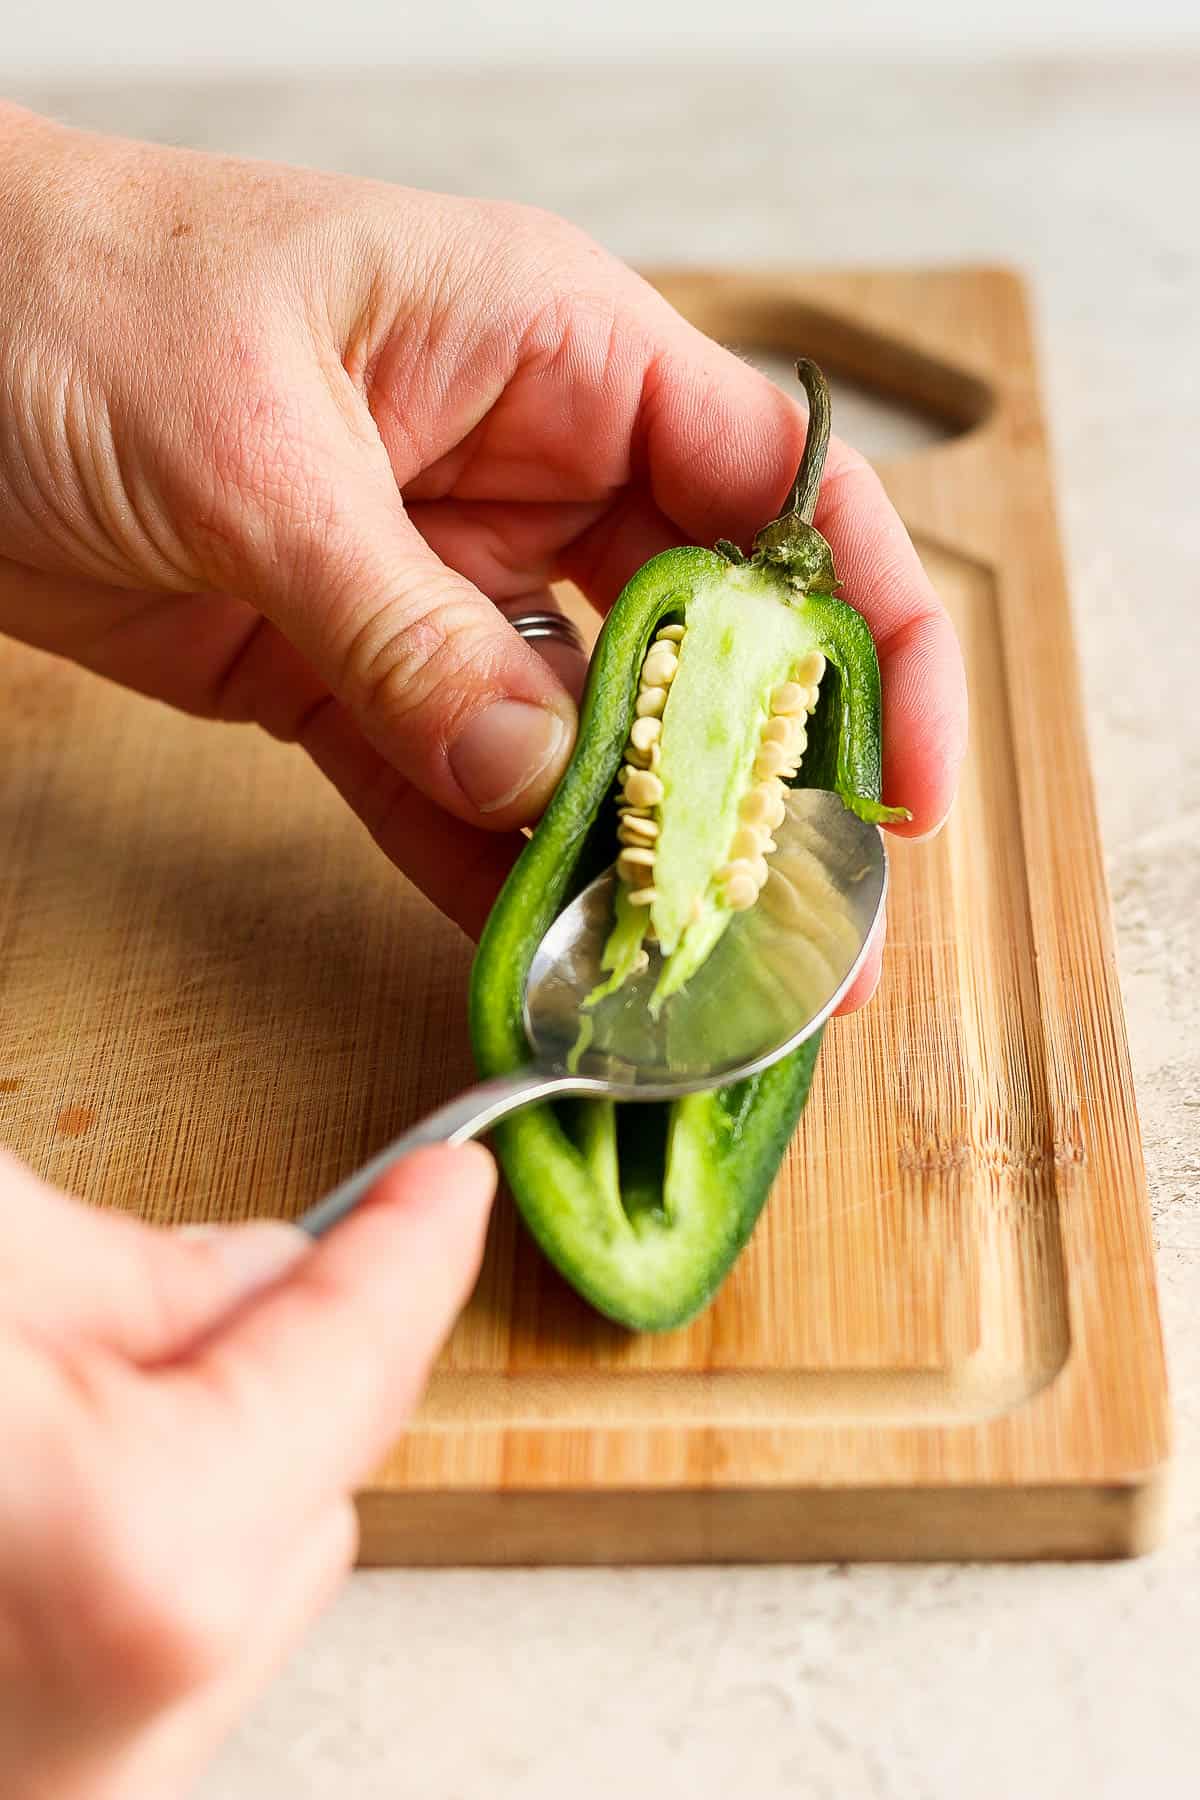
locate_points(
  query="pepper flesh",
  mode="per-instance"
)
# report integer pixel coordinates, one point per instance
(644, 1207)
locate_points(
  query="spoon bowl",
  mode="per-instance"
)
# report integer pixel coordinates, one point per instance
(773, 978)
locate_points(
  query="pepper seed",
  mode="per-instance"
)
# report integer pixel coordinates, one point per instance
(635, 867)
(780, 730)
(771, 760)
(660, 666)
(643, 788)
(756, 804)
(650, 702)
(645, 732)
(747, 842)
(788, 699)
(740, 893)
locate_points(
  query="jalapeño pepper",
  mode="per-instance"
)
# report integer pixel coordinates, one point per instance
(717, 678)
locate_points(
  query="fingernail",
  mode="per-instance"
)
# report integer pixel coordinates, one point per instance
(504, 750)
(254, 1254)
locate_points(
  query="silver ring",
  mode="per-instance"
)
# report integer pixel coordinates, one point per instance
(548, 625)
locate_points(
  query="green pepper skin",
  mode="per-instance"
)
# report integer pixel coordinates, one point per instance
(648, 1237)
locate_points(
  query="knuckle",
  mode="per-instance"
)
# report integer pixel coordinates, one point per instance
(417, 667)
(542, 252)
(527, 225)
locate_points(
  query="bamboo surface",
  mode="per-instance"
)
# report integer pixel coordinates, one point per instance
(216, 999)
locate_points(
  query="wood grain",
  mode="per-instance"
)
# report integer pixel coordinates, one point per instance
(215, 999)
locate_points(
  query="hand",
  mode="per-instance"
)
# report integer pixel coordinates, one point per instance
(279, 447)
(185, 1417)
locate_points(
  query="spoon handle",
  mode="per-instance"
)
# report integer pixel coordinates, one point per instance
(465, 1117)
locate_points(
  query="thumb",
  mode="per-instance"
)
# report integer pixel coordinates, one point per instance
(80, 1272)
(432, 673)
(315, 1376)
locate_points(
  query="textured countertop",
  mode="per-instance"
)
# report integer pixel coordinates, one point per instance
(895, 1683)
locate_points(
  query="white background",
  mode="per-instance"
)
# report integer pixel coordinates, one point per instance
(74, 36)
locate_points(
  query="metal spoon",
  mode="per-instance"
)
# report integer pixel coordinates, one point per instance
(773, 979)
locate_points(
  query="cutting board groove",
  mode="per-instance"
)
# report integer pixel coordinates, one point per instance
(943, 1340)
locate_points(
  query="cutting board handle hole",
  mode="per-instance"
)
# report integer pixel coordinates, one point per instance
(893, 396)
(885, 427)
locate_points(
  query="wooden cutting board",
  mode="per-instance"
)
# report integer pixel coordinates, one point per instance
(216, 998)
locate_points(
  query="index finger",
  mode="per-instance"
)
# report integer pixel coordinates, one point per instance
(920, 664)
(721, 445)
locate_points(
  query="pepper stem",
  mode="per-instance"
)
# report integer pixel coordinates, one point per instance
(801, 503)
(792, 543)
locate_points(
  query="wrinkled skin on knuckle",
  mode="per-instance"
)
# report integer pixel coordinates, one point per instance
(55, 456)
(561, 284)
(72, 337)
(418, 672)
